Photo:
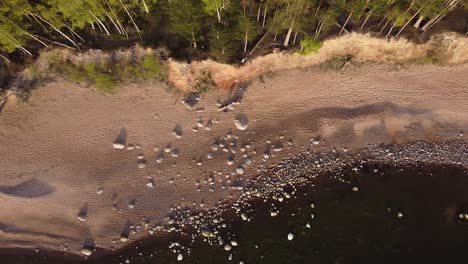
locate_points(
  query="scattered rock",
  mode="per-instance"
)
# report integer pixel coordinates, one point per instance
(86, 251)
(241, 121)
(119, 146)
(150, 184)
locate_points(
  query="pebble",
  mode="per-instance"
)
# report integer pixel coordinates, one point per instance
(86, 251)
(131, 147)
(244, 216)
(119, 146)
(290, 236)
(175, 153)
(150, 184)
(241, 122)
(180, 257)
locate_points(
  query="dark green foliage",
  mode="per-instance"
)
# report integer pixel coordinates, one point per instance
(108, 77)
(224, 28)
(185, 18)
(310, 45)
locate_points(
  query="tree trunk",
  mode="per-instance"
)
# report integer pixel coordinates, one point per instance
(100, 22)
(246, 38)
(115, 25)
(346, 22)
(258, 12)
(56, 29)
(383, 19)
(264, 15)
(116, 18)
(288, 36)
(27, 33)
(146, 7)
(435, 22)
(131, 18)
(193, 41)
(424, 28)
(407, 23)
(74, 33)
(318, 7)
(418, 22)
(388, 21)
(295, 37)
(258, 43)
(367, 18)
(218, 13)
(390, 31)
(17, 44)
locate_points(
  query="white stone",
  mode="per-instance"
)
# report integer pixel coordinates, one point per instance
(244, 216)
(241, 122)
(86, 251)
(119, 145)
(180, 257)
(290, 236)
(150, 184)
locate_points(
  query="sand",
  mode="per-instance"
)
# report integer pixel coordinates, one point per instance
(58, 150)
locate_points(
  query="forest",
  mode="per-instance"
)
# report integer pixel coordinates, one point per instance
(223, 29)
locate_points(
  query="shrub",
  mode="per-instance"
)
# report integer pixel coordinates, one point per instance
(104, 81)
(310, 45)
(152, 68)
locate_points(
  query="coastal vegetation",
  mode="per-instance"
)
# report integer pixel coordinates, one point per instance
(222, 28)
(226, 31)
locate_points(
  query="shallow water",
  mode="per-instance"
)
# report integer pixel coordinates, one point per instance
(362, 213)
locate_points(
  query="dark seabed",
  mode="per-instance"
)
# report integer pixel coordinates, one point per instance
(366, 212)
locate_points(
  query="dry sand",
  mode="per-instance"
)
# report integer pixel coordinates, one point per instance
(57, 150)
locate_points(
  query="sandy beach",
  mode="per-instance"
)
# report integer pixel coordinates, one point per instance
(64, 182)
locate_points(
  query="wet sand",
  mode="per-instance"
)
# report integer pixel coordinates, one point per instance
(57, 150)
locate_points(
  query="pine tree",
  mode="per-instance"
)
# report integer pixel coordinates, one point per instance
(185, 17)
